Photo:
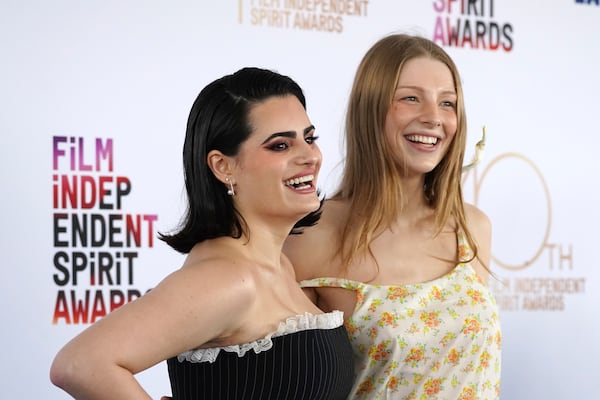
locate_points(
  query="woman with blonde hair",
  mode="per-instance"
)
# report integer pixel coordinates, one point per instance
(397, 249)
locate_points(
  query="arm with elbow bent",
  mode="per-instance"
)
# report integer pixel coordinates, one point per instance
(184, 311)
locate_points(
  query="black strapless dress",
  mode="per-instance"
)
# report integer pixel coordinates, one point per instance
(309, 357)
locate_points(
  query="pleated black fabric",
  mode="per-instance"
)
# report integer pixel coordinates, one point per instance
(314, 364)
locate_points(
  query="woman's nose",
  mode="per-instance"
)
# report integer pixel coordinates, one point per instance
(431, 114)
(310, 154)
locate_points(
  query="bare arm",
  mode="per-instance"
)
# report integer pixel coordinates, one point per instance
(190, 307)
(297, 250)
(314, 255)
(481, 228)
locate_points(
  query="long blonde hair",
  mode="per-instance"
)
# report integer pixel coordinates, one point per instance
(370, 181)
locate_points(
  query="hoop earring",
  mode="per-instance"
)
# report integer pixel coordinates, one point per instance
(230, 191)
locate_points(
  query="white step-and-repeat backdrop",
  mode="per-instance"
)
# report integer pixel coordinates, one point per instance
(94, 97)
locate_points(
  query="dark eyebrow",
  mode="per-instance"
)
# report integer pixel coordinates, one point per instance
(289, 134)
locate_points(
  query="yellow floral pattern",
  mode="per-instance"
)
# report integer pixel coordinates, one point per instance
(435, 340)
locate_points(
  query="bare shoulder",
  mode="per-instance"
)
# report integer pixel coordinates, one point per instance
(478, 220)
(208, 296)
(312, 252)
(221, 276)
(480, 226)
(202, 301)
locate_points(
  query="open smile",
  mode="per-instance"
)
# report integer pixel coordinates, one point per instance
(301, 182)
(422, 139)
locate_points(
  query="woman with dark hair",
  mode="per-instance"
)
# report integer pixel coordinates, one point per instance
(232, 322)
(406, 259)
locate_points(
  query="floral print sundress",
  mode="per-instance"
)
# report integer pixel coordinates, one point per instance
(439, 339)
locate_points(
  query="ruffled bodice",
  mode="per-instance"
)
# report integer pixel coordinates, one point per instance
(293, 324)
(307, 357)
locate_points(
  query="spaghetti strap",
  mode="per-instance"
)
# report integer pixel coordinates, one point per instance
(330, 282)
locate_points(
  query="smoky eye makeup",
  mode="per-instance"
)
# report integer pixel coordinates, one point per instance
(289, 134)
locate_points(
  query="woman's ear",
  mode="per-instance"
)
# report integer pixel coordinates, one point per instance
(220, 165)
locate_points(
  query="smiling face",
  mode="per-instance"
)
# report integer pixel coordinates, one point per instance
(277, 166)
(422, 119)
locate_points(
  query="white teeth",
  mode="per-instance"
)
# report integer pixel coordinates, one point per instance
(422, 139)
(297, 181)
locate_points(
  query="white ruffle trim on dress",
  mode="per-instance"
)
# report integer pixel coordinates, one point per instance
(293, 324)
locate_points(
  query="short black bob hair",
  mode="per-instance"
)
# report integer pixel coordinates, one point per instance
(218, 120)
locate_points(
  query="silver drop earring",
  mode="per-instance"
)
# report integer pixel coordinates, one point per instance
(230, 191)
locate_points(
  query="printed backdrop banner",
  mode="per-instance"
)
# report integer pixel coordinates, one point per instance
(95, 97)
